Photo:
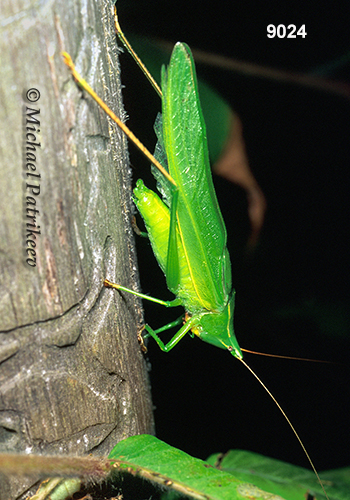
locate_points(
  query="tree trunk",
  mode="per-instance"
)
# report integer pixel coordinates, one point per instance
(72, 375)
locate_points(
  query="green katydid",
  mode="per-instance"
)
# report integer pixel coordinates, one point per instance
(185, 227)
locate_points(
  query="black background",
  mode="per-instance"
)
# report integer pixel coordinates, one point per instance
(293, 291)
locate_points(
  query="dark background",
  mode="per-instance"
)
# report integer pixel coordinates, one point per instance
(293, 291)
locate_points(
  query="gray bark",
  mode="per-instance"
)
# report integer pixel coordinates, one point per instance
(72, 375)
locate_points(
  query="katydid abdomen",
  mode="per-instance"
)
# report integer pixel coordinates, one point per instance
(187, 232)
(214, 327)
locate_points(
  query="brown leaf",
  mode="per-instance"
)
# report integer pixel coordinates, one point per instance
(233, 165)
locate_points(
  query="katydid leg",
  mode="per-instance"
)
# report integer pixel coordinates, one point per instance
(137, 230)
(176, 338)
(176, 322)
(165, 303)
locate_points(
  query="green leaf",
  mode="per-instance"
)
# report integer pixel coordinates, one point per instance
(337, 482)
(281, 478)
(236, 475)
(57, 489)
(217, 113)
(152, 459)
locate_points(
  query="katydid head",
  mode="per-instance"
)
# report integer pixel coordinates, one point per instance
(216, 328)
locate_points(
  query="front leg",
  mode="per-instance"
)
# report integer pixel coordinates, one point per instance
(193, 321)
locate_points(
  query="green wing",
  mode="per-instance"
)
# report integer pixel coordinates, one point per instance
(199, 220)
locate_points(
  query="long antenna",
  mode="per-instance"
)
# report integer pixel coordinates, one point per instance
(289, 423)
(68, 61)
(282, 356)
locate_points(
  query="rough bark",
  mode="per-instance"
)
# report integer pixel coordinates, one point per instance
(72, 376)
